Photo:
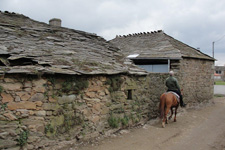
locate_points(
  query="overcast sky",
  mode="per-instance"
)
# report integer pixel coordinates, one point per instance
(195, 22)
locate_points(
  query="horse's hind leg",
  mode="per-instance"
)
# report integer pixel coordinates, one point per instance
(171, 113)
(175, 117)
(167, 111)
(165, 117)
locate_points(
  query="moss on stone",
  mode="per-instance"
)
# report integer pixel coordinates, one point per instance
(75, 85)
(1, 89)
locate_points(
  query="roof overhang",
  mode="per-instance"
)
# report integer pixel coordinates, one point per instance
(155, 58)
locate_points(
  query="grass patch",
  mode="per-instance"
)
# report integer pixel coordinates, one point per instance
(219, 83)
(219, 95)
(23, 137)
(113, 121)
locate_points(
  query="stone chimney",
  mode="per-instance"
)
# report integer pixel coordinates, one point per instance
(55, 22)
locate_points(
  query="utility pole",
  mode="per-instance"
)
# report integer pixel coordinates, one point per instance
(213, 43)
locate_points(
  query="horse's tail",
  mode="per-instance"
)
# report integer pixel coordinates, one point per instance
(162, 106)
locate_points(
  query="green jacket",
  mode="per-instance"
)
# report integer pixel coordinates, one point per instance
(172, 83)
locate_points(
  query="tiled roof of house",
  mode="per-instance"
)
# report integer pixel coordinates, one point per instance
(28, 46)
(221, 68)
(156, 44)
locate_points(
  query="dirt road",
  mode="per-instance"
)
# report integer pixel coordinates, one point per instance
(195, 129)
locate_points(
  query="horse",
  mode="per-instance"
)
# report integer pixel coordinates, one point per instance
(168, 101)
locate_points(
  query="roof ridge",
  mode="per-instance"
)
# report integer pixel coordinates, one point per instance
(45, 25)
(13, 14)
(140, 33)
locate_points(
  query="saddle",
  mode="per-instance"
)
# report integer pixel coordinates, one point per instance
(177, 96)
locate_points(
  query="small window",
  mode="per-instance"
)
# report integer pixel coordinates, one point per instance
(129, 94)
(218, 71)
(160, 68)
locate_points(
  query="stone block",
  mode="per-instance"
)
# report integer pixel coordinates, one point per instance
(86, 112)
(28, 84)
(37, 97)
(130, 84)
(48, 113)
(2, 118)
(118, 96)
(39, 103)
(116, 106)
(66, 99)
(57, 121)
(50, 106)
(27, 89)
(23, 111)
(6, 144)
(95, 119)
(40, 113)
(3, 135)
(107, 92)
(58, 86)
(101, 93)
(95, 89)
(105, 110)
(6, 98)
(52, 100)
(97, 107)
(38, 85)
(90, 94)
(12, 86)
(25, 97)
(21, 105)
(9, 80)
(10, 116)
(30, 146)
(39, 89)
(17, 99)
(31, 112)
(92, 100)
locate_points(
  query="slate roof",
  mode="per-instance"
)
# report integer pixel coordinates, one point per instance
(31, 47)
(221, 68)
(156, 45)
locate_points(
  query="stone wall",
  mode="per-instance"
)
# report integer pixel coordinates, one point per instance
(197, 80)
(43, 112)
(39, 112)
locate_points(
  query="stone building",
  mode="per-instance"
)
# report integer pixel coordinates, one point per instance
(158, 52)
(219, 73)
(59, 86)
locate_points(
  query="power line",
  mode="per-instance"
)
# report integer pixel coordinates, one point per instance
(220, 38)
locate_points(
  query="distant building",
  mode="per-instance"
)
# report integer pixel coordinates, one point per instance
(219, 73)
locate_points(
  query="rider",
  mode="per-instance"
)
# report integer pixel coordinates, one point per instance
(172, 85)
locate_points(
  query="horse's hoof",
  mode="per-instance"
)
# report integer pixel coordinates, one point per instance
(175, 120)
(163, 125)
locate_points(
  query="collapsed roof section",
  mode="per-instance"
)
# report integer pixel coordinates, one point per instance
(31, 47)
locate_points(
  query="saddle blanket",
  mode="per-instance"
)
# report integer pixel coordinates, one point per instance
(177, 96)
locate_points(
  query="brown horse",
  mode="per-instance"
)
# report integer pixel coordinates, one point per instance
(168, 101)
